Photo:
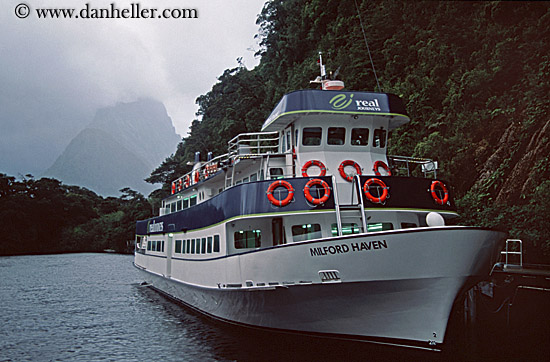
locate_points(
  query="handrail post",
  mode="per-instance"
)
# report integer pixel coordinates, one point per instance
(337, 206)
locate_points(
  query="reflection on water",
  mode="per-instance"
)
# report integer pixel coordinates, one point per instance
(91, 307)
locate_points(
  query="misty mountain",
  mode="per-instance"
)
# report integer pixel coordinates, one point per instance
(119, 148)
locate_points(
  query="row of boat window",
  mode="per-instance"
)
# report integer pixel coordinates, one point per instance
(246, 239)
(312, 136)
(183, 203)
(205, 245)
(155, 245)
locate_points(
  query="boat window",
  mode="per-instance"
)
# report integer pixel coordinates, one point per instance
(379, 138)
(245, 180)
(149, 245)
(187, 246)
(216, 243)
(408, 225)
(203, 245)
(306, 232)
(359, 136)
(159, 244)
(347, 229)
(283, 148)
(288, 141)
(185, 203)
(209, 245)
(173, 207)
(311, 136)
(379, 226)
(336, 135)
(276, 173)
(197, 246)
(178, 246)
(193, 200)
(192, 246)
(253, 177)
(245, 239)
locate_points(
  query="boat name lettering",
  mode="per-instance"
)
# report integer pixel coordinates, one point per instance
(363, 105)
(156, 227)
(345, 248)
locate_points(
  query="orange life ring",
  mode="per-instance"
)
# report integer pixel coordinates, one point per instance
(348, 163)
(317, 163)
(285, 201)
(174, 187)
(382, 164)
(437, 199)
(197, 176)
(370, 197)
(180, 184)
(307, 193)
(187, 181)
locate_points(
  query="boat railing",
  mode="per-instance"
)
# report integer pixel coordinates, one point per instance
(409, 166)
(257, 143)
(512, 255)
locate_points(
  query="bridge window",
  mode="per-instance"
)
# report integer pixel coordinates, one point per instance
(380, 138)
(246, 239)
(336, 135)
(306, 232)
(359, 136)
(311, 136)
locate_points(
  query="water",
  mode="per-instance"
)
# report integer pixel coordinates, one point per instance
(91, 307)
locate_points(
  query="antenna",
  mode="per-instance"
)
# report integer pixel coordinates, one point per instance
(365, 37)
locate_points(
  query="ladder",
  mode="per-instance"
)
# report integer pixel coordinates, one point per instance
(351, 211)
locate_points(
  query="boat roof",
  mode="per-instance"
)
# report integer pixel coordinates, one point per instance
(312, 101)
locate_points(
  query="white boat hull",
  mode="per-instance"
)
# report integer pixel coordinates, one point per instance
(393, 287)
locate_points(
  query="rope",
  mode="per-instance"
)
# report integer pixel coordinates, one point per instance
(365, 37)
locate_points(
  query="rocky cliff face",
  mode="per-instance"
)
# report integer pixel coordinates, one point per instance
(120, 148)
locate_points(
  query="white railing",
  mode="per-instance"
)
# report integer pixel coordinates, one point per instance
(257, 143)
(514, 248)
(405, 166)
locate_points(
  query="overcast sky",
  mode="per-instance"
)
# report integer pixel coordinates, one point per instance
(54, 73)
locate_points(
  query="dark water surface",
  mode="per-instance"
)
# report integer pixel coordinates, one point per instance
(91, 307)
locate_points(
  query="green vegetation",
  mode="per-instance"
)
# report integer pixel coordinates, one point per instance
(45, 216)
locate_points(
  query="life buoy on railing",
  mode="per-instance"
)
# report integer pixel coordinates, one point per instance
(382, 164)
(174, 187)
(435, 196)
(196, 176)
(286, 200)
(310, 198)
(371, 197)
(343, 173)
(180, 184)
(187, 181)
(317, 163)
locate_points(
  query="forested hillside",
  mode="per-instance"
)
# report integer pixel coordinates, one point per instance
(474, 77)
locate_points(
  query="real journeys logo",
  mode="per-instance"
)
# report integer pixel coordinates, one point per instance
(342, 101)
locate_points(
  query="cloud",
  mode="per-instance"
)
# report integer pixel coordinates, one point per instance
(54, 73)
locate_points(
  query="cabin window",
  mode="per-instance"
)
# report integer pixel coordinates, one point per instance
(288, 141)
(379, 226)
(178, 246)
(192, 246)
(276, 173)
(149, 245)
(173, 207)
(408, 225)
(246, 239)
(197, 246)
(216, 243)
(283, 148)
(253, 177)
(245, 180)
(185, 203)
(209, 245)
(347, 229)
(359, 136)
(311, 136)
(188, 246)
(379, 138)
(306, 232)
(336, 135)
(193, 200)
(203, 245)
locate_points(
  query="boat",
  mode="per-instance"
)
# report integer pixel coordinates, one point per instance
(310, 227)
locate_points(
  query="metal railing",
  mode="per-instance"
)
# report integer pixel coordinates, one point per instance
(406, 166)
(257, 143)
(511, 251)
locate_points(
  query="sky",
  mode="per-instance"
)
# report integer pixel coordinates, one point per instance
(55, 73)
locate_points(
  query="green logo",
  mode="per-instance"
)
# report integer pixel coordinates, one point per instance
(341, 101)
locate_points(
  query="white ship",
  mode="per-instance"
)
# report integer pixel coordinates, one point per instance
(310, 227)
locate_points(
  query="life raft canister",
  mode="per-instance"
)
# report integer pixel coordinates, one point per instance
(310, 198)
(435, 196)
(285, 201)
(382, 164)
(343, 173)
(372, 198)
(317, 163)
